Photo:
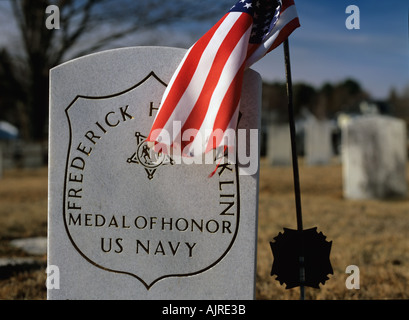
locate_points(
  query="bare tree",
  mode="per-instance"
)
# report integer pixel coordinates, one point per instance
(85, 27)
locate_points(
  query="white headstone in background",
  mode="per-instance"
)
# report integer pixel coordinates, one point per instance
(123, 225)
(317, 141)
(279, 145)
(374, 157)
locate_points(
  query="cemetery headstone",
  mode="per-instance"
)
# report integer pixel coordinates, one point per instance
(317, 141)
(124, 223)
(279, 145)
(34, 246)
(374, 157)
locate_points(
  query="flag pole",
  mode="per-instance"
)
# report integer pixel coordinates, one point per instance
(296, 176)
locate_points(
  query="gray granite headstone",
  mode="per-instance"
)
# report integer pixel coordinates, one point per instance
(279, 145)
(317, 141)
(374, 157)
(123, 225)
(34, 246)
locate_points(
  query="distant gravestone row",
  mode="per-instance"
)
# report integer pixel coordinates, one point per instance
(316, 140)
(374, 153)
(123, 225)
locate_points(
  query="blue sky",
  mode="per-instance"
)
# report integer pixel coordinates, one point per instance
(323, 49)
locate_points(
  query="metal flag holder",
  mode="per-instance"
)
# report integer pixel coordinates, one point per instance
(301, 257)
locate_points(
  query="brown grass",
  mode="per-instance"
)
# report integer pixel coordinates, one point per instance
(371, 234)
(23, 213)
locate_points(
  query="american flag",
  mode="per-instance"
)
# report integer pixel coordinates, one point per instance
(200, 106)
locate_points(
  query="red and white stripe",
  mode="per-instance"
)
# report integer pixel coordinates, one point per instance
(199, 108)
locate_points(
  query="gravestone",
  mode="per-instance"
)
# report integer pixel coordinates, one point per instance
(279, 145)
(374, 157)
(34, 246)
(124, 224)
(317, 141)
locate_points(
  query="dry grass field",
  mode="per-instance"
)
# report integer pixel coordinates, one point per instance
(23, 214)
(371, 234)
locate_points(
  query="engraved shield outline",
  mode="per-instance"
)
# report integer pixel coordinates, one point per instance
(147, 285)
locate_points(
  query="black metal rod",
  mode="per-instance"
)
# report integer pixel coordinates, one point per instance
(293, 136)
(296, 175)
